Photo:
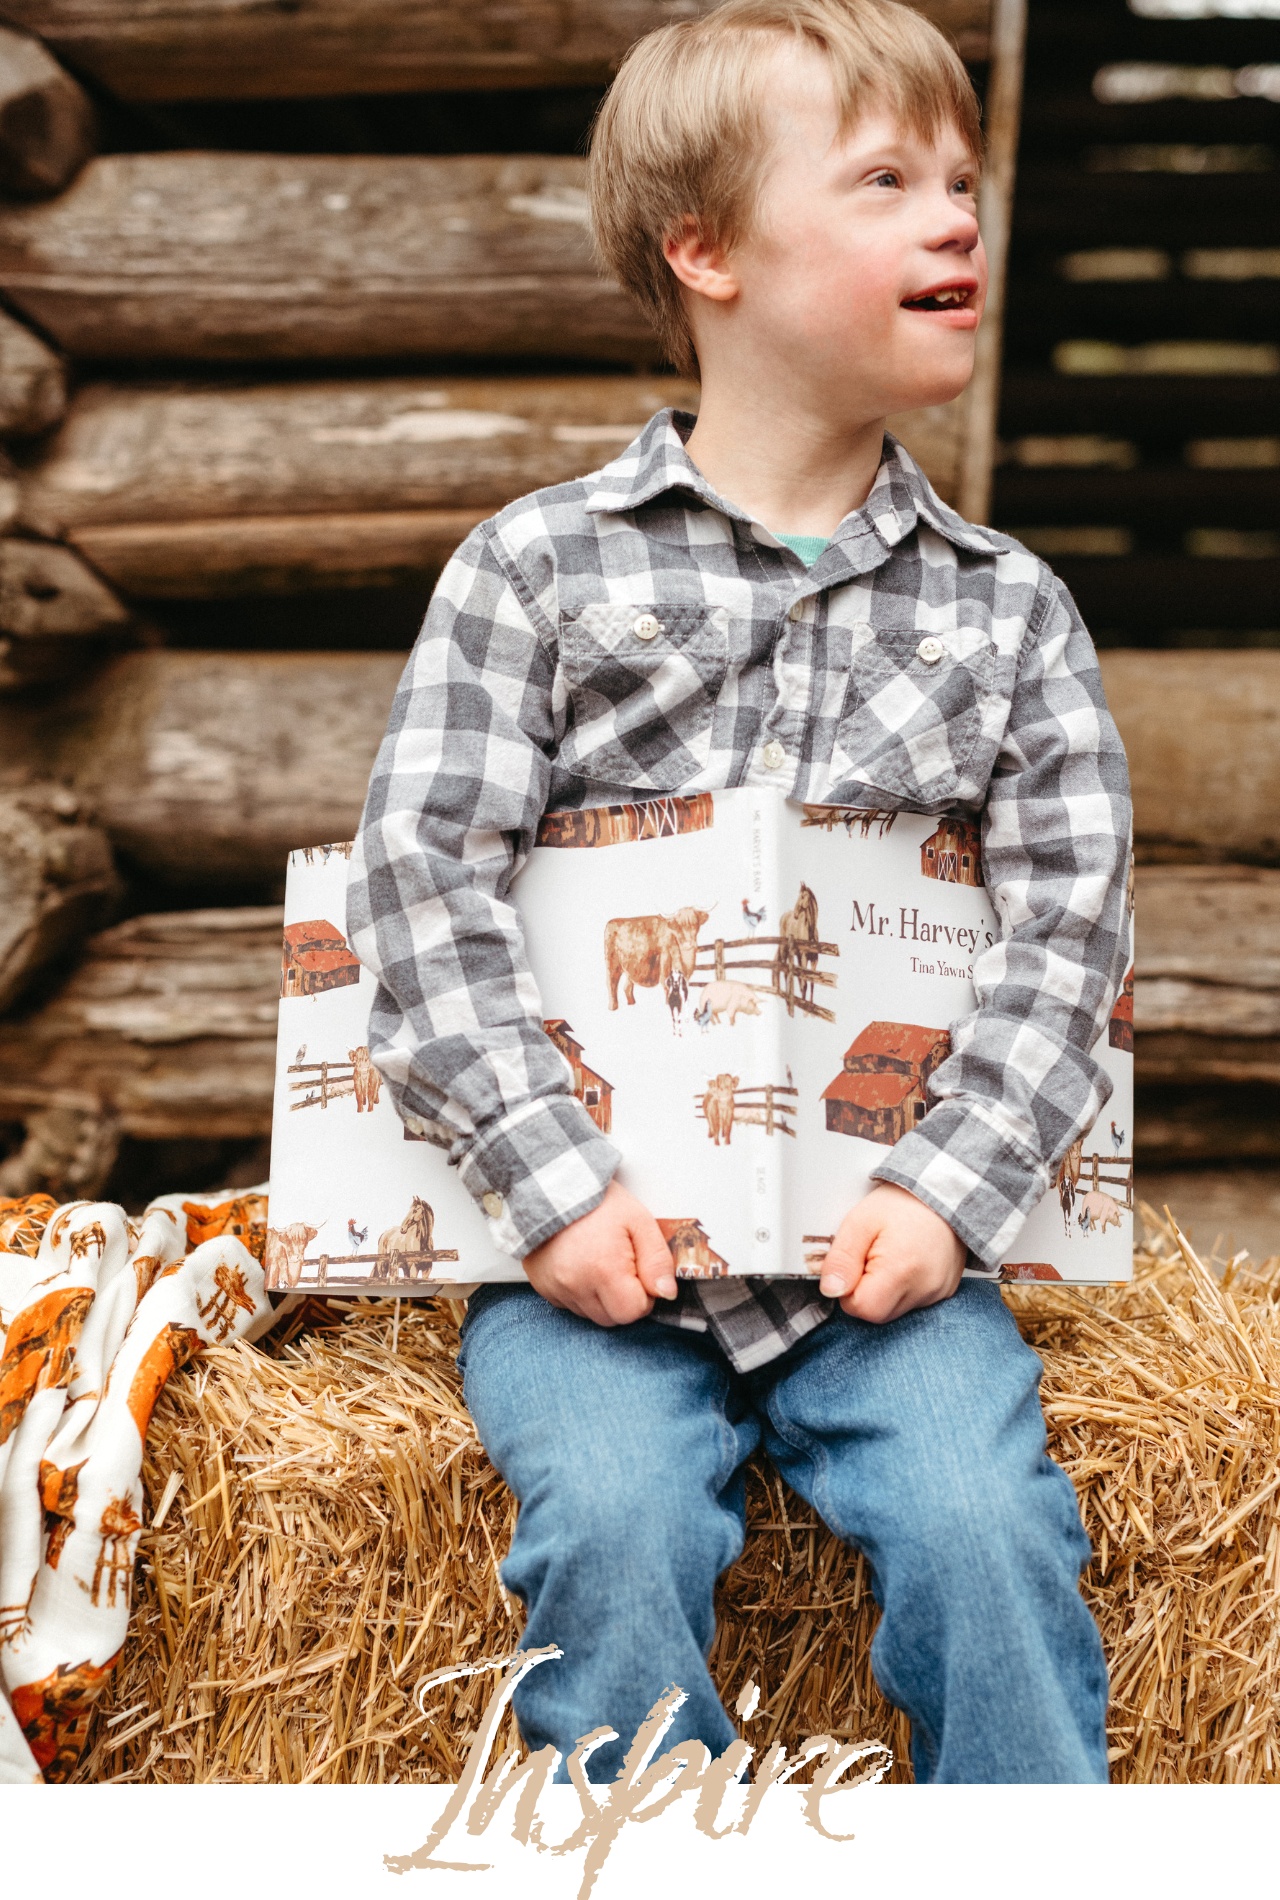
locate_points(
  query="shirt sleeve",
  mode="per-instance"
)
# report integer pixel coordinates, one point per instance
(457, 791)
(1020, 1084)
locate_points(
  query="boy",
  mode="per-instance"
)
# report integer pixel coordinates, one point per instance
(773, 595)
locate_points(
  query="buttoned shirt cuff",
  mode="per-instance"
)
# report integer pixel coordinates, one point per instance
(542, 1166)
(970, 1172)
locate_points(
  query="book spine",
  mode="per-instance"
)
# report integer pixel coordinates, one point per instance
(769, 1170)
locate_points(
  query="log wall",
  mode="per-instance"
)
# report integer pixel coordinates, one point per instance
(237, 49)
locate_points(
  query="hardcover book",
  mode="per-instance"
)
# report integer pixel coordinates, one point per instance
(750, 997)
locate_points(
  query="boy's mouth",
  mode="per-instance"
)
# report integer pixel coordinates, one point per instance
(944, 297)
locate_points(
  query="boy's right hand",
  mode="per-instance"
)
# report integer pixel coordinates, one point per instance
(607, 1267)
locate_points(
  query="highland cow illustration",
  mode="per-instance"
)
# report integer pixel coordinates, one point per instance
(1120, 1027)
(40, 1351)
(717, 1108)
(691, 1250)
(54, 1712)
(282, 1258)
(365, 1079)
(880, 1093)
(953, 853)
(245, 1216)
(317, 957)
(595, 1094)
(654, 952)
(587, 827)
(23, 1221)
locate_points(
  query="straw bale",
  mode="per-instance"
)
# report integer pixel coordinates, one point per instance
(327, 1530)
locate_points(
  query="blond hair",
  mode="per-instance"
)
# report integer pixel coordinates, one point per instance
(681, 131)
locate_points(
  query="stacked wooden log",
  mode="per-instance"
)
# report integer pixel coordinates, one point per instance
(237, 379)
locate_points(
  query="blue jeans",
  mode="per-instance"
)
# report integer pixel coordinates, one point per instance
(921, 1443)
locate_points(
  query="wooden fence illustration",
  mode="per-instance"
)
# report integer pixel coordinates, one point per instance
(793, 969)
(769, 1113)
(412, 1260)
(324, 1081)
(1099, 1171)
(827, 817)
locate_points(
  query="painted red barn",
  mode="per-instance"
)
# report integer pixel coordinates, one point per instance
(694, 1256)
(953, 854)
(879, 1094)
(595, 1094)
(1120, 1028)
(316, 957)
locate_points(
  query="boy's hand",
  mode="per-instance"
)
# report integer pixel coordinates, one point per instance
(609, 1266)
(890, 1255)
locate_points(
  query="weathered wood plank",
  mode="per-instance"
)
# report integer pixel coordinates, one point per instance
(1203, 735)
(46, 120)
(52, 607)
(56, 878)
(33, 383)
(201, 492)
(167, 1029)
(207, 256)
(207, 766)
(239, 49)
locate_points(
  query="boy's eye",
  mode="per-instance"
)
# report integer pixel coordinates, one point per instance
(886, 178)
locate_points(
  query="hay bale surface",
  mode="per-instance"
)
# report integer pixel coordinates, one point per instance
(328, 1530)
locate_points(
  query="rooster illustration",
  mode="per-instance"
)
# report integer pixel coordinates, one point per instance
(356, 1235)
(1117, 1137)
(752, 918)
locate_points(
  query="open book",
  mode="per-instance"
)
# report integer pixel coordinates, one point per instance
(750, 996)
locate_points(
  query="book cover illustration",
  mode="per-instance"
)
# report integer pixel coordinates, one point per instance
(750, 998)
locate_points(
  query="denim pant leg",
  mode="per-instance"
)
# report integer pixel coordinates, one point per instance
(623, 1450)
(922, 1442)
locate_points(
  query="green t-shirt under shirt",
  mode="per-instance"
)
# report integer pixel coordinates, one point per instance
(807, 546)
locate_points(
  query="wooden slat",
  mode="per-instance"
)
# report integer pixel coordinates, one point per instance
(184, 493)
(240, 49)
(56, 878)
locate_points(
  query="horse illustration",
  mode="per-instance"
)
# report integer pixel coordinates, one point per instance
(798, 945)
(399, 1247)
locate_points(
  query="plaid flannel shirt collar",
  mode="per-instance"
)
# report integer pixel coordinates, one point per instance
(657, 462)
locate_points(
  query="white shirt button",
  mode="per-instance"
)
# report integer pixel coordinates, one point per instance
(491, 1203)
(774, 754)
(930, 650)
(862, 630)
(796, 610)
(646, 627)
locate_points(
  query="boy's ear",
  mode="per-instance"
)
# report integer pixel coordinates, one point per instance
(701, 263)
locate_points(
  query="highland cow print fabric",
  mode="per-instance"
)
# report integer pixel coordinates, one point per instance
(96, 1311)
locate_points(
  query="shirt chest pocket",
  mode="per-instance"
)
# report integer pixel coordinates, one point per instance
(642, 685)
(914, 709)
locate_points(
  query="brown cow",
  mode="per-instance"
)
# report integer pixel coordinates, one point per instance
(367, 1081)
(717, 1106)
(653, 952)
(282, 1258)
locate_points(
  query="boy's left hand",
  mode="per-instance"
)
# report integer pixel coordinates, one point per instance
(890, 1255)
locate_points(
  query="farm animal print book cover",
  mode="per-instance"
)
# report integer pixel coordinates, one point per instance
(750, 996)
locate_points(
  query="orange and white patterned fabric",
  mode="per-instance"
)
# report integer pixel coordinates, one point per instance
(96, 1311)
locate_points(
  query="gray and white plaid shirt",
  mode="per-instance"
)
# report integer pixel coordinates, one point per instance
(921, 664)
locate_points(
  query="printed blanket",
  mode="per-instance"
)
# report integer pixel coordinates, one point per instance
(96, 1311)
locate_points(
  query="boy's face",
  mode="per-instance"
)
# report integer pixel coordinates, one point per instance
(863, 272)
